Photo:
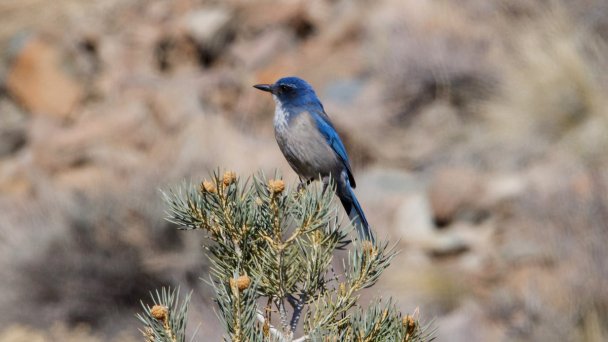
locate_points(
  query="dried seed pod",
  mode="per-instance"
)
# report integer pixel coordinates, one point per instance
(243, 282)
(276, 186)
(207, 186)
(229, 177)
(159, 312)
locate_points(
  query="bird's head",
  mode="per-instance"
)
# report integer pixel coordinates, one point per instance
(290, 91)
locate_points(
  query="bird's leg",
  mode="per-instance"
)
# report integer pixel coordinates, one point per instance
(303, 184)
(325, 181)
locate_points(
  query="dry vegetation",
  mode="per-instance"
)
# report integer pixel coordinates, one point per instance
(477, 131)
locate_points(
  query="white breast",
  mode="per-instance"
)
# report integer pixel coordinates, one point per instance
(280, 116)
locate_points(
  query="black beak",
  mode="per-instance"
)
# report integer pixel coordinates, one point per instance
(264, 87)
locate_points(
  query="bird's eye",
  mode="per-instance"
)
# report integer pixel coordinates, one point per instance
(285, 88)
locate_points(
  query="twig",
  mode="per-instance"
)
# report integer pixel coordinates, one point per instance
(274, 331)
(301, 339)
(283, 314)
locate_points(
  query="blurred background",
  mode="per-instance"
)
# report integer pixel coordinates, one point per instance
(478, 131)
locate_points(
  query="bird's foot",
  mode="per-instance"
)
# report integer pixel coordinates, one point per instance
(303, 184)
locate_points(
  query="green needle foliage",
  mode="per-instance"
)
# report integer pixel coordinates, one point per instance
(166, 319)
(271, 251)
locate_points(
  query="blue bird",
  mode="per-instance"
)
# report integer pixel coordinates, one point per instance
(311, 144)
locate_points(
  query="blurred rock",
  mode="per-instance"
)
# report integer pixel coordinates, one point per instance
(58, 332)
(432, 137)
(176, 52)
(222, 94)
(14, 178)
(467, 324)
(414, 224)
(396, 200)
(174, 101)
(260, 51)
(345, 23)
(413, 217)
(260, 15)
(379, 182)
(38, 82)
(432, 51)
(343, 90)
(211, 29)
(380, 191)
(84, 178)
(451, 191)
(502, 187)
(12, 128)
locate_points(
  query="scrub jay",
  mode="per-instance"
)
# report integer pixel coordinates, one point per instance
(311, 144)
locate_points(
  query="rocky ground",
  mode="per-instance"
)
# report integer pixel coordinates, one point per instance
(477, 131)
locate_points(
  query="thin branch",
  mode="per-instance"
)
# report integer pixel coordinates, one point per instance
(281, 306)
(301, 339)
(274, 331)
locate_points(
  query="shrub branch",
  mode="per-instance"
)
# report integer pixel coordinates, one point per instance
(268, 244)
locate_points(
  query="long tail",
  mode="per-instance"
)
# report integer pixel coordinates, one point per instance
(353, 209)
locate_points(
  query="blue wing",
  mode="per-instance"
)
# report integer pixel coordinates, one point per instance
(329, 132)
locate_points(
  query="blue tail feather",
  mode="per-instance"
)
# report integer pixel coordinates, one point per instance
(354, 210)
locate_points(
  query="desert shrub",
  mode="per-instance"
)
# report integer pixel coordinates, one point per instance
(271, 251)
